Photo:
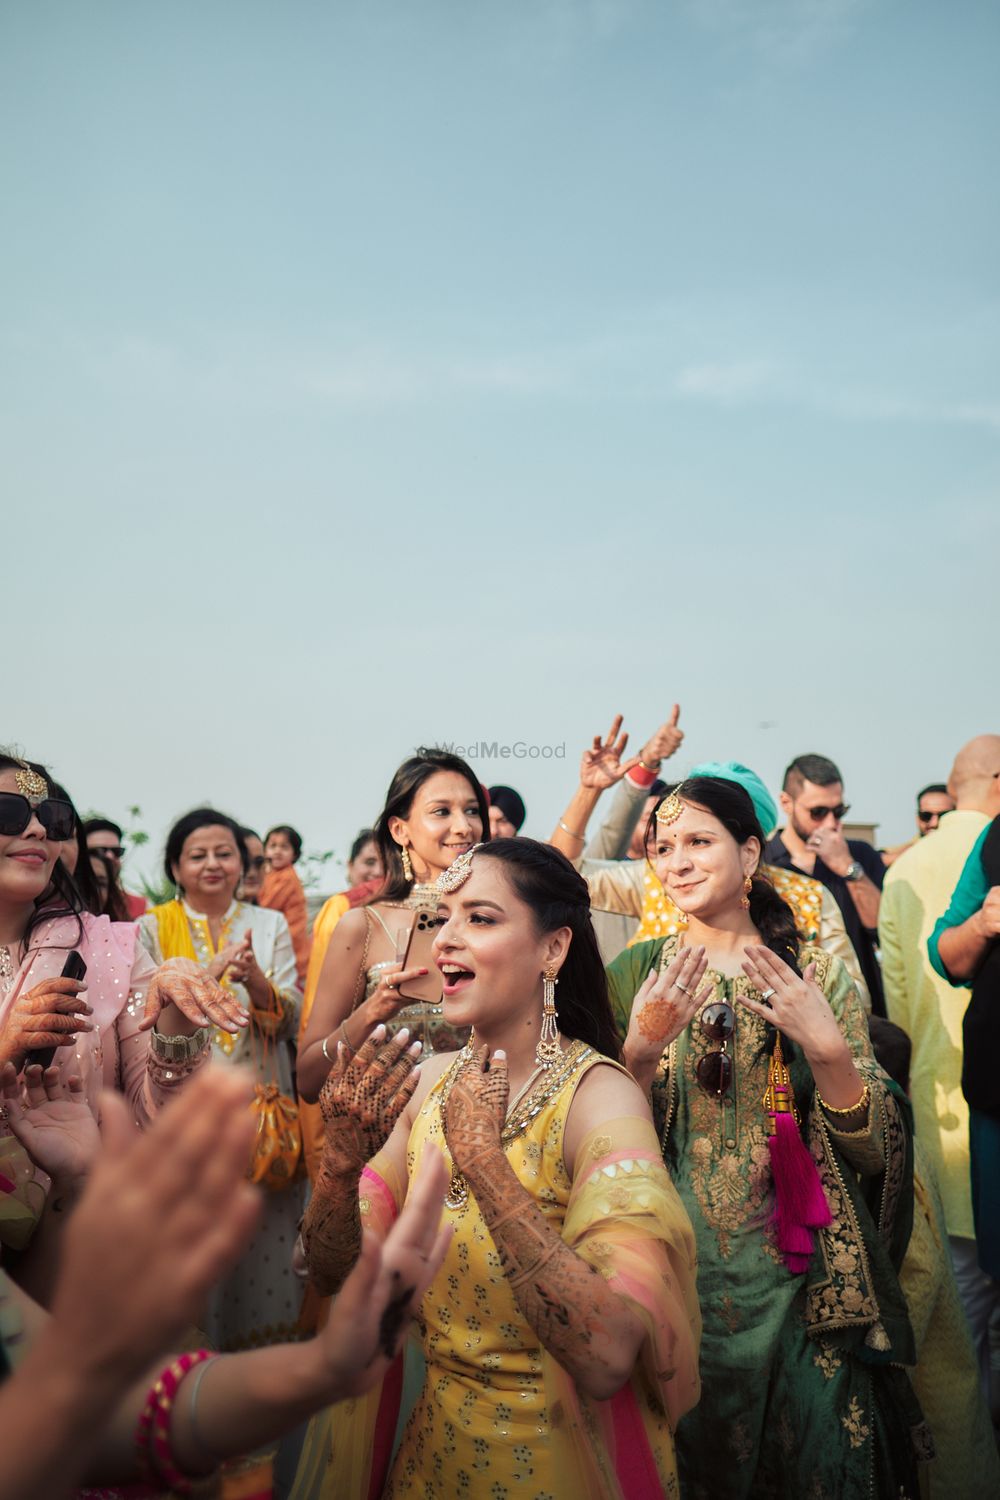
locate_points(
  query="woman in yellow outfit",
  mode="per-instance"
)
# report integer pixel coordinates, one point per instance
(560, 1336)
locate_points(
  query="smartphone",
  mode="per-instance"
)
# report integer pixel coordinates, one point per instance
(426, 987)
(74, 968)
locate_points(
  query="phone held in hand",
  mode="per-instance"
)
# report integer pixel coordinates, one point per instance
(425, 987)
(75, 967)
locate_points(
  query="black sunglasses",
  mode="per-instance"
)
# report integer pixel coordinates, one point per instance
(56, 817)
(925, 817)
(108, 851)
(714, 1071)
(819, 813)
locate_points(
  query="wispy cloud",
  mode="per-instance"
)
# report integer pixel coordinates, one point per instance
(783, 33)
(728, 383)
(655, 357)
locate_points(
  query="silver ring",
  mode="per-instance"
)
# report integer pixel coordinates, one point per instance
(683, 989)
(390, 984)
(767, 994)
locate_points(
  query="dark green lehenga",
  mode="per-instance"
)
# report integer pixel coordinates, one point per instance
(804, 1391)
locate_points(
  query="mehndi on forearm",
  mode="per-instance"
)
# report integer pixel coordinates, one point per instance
(580, 1321)
(331, 1229)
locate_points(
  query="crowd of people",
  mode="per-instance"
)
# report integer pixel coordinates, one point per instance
(658, 1159)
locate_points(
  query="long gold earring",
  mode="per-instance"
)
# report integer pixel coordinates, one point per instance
(745, 898)
(548, 1049)
(404, 855)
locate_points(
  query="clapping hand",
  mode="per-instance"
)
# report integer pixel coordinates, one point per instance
(363, 1097)
(477, 1107)
(374, 1307)
(796, 1005)
(665, 1003)
(51, 1118)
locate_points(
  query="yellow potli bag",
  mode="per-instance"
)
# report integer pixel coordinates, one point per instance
(276, 1160)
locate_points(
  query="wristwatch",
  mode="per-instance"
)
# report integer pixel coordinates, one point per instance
(854, 871)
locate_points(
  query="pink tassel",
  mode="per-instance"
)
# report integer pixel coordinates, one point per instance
(800, 1204)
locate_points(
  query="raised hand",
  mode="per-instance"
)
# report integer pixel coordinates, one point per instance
(664, 742)
(52, 1120)
(797, 1006)
(243, 967)
(476, 1109)
(376, 1303)
(363, 1098)
(664, 1004)
(195, 996)
(232, 953)
(601, 766)
(50, 1014)
(832, 848)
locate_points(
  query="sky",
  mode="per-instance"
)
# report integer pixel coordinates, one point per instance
(379, 373)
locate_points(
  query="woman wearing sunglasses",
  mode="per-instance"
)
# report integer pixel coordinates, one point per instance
(109, 1028)
(792, 1155)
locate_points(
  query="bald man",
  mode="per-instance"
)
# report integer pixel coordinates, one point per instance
(917, 891)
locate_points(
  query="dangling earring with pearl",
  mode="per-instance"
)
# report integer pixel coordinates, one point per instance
(548, 1050)
(404, 855)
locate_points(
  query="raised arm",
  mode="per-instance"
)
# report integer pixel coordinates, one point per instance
(600, 766)
(588, 1328)
(364, 1105)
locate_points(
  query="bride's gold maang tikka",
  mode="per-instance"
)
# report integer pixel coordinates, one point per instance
(457, 873)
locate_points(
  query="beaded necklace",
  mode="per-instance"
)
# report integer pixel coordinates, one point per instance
(522, 1110)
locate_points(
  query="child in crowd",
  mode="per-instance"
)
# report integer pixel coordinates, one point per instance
(281, 889)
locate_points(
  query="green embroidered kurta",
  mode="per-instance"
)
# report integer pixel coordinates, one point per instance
(802, 1394)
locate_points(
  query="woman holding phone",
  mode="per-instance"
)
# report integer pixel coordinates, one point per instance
(378, 966)
(108, 1029)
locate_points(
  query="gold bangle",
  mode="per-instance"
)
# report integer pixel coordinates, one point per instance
(854, 1109)
(346, 1039)
(653, 770)
(581, 836)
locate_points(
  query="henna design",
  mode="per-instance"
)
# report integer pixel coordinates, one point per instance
(476, 1108)
(656, 1019)
(393, 1319)
(50, 1014)
(365, 1095)
(331, 1228)
(199, 998)
(576, 1316)
(361, 1101)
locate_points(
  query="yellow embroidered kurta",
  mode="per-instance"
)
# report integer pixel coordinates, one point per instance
(496, 1416)
(917, 891)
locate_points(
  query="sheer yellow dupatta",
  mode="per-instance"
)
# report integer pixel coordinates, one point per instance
(173, 931)
(348, 1449)
(625, 1219)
